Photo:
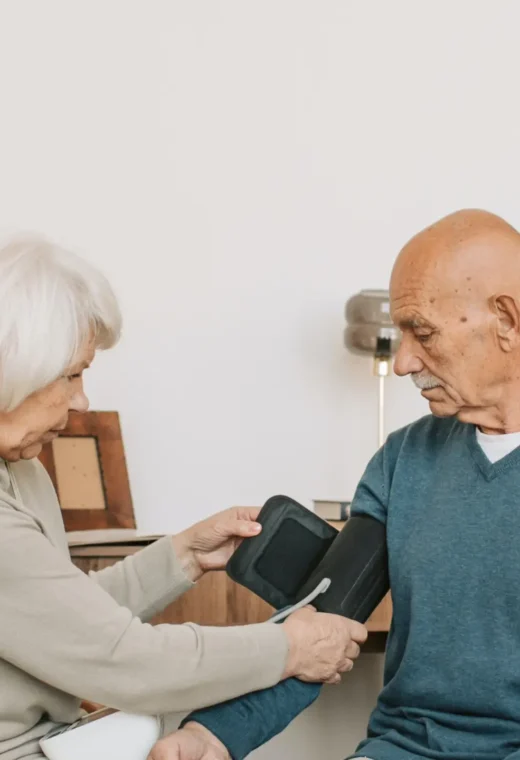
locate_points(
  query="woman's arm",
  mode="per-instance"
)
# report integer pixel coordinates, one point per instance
(67, 631)
(152, 578)
(147, 581)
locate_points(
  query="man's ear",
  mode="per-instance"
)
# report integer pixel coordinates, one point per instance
(508, 314)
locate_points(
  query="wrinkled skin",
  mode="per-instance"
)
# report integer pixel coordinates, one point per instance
(455, 294)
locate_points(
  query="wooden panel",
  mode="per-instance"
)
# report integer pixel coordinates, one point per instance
(243, 606)
(204, 604)
(382, 616)
(217, 600)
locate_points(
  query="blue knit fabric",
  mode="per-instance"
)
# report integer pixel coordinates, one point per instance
(245, 723)
(452, 671)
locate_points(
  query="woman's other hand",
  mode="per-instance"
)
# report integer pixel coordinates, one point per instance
(209, 544)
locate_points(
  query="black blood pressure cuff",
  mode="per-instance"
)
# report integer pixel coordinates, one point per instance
(300, 559)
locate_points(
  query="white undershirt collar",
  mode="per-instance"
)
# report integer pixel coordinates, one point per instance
(496, 447)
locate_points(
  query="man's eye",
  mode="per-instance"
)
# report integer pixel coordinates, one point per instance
(424, 338)
(74, 377)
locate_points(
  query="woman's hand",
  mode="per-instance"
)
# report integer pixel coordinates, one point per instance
(192, 742)
(321, 646)
(209, 544)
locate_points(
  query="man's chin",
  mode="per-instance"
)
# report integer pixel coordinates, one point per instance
(439, 409)
(443, 408)
(439, 402)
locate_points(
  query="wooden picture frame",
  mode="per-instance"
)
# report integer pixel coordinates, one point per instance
(87, 466)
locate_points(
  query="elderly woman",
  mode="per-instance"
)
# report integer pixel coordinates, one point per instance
(66, 636)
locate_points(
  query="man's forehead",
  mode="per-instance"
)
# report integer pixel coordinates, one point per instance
(413, 295)
(412, 317)
(447, 265)
(456, 264)
(417, 286)
(425, 305)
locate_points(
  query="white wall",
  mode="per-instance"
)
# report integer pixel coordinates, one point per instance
(239, 169)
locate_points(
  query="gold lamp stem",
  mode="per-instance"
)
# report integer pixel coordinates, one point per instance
(381, 370)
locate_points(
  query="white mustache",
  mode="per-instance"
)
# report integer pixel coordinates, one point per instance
(425, 382)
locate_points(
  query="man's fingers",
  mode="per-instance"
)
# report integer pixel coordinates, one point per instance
(165, 750)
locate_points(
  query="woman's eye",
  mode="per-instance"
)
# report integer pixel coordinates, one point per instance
(424, 338)
(74, 377)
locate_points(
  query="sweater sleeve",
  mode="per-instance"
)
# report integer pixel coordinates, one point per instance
(147, 581)
(65, 630)
(244, 724)
(373, 491)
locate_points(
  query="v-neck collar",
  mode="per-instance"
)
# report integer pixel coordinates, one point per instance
(489, 469)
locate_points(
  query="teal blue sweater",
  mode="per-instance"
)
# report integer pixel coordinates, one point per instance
(452, 672)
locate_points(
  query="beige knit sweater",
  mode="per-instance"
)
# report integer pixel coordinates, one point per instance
(66, 636)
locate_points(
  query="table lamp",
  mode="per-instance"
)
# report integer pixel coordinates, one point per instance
(371, 332)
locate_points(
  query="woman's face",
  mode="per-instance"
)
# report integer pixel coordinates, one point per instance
(39, 418)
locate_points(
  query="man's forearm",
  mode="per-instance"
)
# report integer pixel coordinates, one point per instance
(245, 723)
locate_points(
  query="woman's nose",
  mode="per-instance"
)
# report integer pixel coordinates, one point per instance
(79, 401)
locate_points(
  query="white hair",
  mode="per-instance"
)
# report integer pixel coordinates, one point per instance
(51, 303)
(425, 381)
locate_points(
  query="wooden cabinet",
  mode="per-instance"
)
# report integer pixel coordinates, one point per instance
(217, 600)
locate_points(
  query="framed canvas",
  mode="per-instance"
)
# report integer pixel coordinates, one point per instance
(87, 466)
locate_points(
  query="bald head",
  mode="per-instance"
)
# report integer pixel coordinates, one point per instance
(462, 226)
(455, 292)
(470, 252)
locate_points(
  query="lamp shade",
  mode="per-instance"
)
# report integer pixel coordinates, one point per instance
(370, 329)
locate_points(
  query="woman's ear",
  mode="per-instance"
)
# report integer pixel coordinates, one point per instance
(508, 321)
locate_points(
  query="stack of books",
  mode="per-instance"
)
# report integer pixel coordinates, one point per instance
(332, 510)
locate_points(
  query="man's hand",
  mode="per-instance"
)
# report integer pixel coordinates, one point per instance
(192, 742)
(209, 544)
(321, 646)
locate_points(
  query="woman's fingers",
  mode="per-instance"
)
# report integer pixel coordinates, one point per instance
(353, 650)
(334, 680)
(346, 666)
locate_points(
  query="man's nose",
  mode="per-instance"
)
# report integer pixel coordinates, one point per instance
(406, 361)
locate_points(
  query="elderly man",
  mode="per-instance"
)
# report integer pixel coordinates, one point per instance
(448, 489)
